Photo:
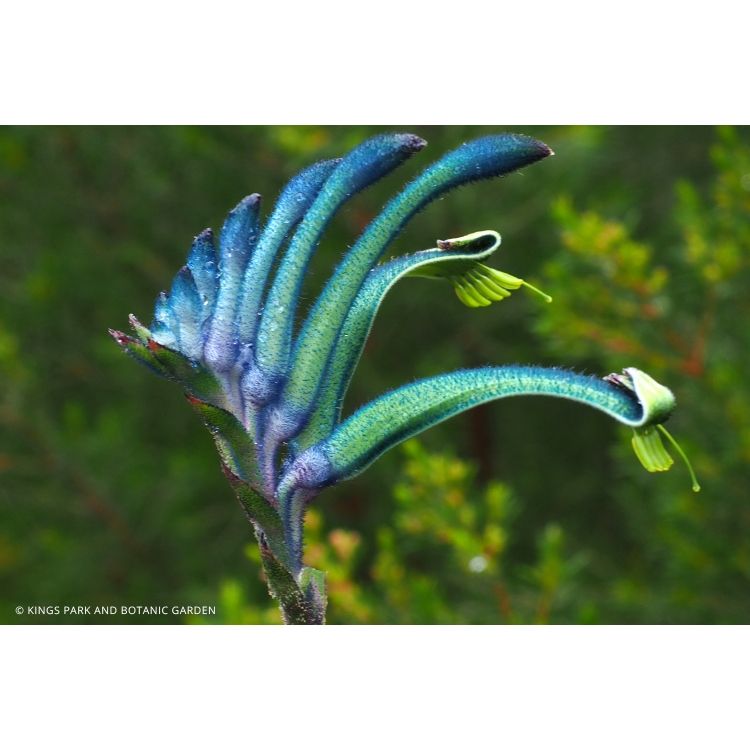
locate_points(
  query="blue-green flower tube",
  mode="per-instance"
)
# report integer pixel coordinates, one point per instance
(483, 158)
(204, 265)
(236, 242)
(364, 165)
(187, 305)
(165, 327)
(179, 316)
(413, 408)
(292, 204)
(359, 321)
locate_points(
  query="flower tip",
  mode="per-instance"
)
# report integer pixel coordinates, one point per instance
(535, 290)
(413, 143)
(545, 149)
(656, 400)
(143, 333)
(229, 474)
(121, 338)
(540, 149)
(694, 479)
(483, 241)
(248, 203)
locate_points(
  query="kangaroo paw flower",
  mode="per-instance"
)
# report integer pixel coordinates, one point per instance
(272, 399)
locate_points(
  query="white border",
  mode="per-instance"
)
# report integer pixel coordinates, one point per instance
(375, 687)
(390, 62)
(394, 61)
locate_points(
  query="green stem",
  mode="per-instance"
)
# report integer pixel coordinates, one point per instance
(298, 607)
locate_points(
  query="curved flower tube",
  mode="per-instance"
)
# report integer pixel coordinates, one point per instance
(405, 412)
(459, 253)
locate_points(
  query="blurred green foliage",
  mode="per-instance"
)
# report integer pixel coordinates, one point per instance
(529, 510)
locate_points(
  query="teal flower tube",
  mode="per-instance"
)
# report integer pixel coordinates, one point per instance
(405, 412)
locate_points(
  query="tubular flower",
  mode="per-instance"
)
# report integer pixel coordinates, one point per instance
(272, 396)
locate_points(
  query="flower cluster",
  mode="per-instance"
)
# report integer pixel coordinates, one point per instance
(272, 395)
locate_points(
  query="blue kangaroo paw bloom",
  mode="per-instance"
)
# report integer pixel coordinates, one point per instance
(231, 349)
(187, 307)
(364, 165)
(456, 254)
(487, 157)
(291, 206)
(236, 241)
(166, 325)
(204, 266)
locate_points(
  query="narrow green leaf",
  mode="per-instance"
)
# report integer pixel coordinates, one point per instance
(141, 331)
(235, 444)
(261, 514)
(198, 380)
(281, 585)
(140, 352)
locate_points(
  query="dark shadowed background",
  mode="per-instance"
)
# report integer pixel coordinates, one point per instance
(520, 511)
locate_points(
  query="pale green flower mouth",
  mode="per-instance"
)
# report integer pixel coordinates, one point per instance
(482, 285)
(475, 284)
(658, 402)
